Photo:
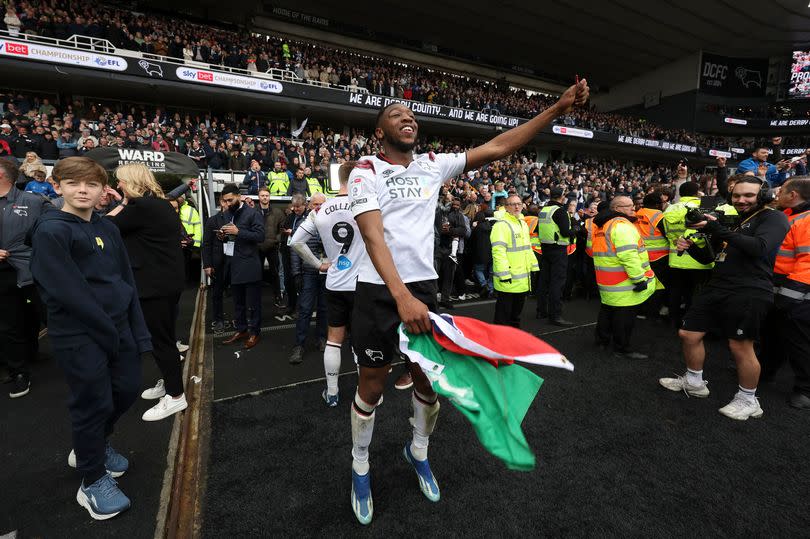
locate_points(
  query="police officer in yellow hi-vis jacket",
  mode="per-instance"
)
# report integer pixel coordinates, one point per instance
(623, 275)
(513, 261)
(556, 234)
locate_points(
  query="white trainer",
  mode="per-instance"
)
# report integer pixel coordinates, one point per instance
(165, 407)
(181, 347)
(680, 384)
(154, 392)
(741, 409)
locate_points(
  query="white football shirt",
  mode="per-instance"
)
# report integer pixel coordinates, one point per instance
(406, 197)
(341, 240)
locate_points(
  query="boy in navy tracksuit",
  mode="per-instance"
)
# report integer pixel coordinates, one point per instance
(95, 325)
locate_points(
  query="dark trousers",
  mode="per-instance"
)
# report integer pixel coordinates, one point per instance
(289, 279)
(271, 255)
(573, 275)
(247, 306)
(589, 279)
(313, 290)
(219, 282)
(682, 285)
(508, 307)
(19, 323)
(787, 337)
(553, 271)
(616, 323)
(191, 258)
(160, 315)
(102, 388)
(459, 276)
(446, 271)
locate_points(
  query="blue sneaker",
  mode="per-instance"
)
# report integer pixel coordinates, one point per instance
(330, 400)
(114, 462)
(362, 505)
(103, 499)
(427, 483)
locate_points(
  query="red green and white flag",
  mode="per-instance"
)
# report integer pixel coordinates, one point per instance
(472, 363)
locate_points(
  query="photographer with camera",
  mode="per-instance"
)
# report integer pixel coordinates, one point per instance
(738, 295)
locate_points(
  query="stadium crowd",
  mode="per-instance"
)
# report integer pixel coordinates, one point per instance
(36, 127)
(170, 37)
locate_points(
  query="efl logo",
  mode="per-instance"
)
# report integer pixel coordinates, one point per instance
(205, 75)
(14, 48)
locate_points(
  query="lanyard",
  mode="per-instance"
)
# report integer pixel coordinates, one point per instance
(721, 256)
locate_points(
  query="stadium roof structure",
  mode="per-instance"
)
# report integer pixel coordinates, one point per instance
(610, 41)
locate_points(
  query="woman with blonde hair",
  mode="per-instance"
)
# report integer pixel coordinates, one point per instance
(31, 164)
(151, 228)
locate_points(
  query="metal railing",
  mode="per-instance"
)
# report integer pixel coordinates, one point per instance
(80, 42)
(91, 43)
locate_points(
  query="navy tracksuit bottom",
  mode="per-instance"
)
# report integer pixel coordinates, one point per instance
(102, 388)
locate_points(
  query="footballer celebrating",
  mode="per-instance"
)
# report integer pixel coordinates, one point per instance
(394, 196)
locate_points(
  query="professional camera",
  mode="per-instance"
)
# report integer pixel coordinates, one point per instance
(698, 215)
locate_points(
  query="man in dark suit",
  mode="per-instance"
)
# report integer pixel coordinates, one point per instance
(216, 265)
(243, 233)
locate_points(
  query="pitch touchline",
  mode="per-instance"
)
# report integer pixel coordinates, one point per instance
(292, 326)
(294, 384)
(567, 329)
(323, 378)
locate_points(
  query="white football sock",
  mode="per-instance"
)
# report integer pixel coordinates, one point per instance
(748, 395)
(331, 365)
(694, 378)
(424, 418)
(362, 417)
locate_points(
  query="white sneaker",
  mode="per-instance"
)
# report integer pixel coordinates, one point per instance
(154, 392)
(741, 409)
(165, 407)
(680, 384)
(181, 347)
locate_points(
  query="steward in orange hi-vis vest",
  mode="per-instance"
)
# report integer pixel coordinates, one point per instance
(623, 275)
(531, 221)
(787, 330)
(654, 240)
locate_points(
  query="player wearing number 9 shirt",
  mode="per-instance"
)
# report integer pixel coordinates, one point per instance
(335, 224)
(394, 195)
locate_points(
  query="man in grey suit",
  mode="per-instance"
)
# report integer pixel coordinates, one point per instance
(241, 236)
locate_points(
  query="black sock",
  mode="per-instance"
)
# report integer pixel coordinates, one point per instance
(92, 477)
